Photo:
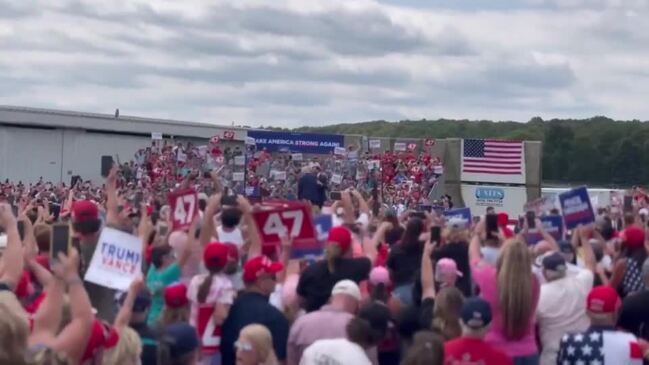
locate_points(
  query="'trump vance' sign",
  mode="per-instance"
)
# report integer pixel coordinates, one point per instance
(297, 142)
(576, 207)
(117, 260)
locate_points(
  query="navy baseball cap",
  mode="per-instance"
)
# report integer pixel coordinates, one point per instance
(555, 262)
(142, 300)
(181, 338)
(476, 313)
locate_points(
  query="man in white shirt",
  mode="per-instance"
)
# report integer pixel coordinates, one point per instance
(229, 231)
(364, 331)
(562, 303)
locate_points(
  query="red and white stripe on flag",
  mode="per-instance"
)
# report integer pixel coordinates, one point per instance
(490, 160)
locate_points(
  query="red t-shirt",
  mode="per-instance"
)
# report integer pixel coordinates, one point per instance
(469, 351)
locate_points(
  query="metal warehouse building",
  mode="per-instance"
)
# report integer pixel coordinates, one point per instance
(59, 144)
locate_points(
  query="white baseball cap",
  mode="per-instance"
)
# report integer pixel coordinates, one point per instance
(347, 287)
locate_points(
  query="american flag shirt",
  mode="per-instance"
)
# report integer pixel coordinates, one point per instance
(599, 346)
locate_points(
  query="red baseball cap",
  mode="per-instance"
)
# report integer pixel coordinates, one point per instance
(85, 211)
(503, 219)
(340, 236)
(215, 255)
(102, 335)
(633, 237)
(259, 265)
(602, 300)
(233, 251)
(176, 295)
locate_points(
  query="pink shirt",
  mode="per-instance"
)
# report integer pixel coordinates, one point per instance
(485, 277)
(221, 292)
(178, 241)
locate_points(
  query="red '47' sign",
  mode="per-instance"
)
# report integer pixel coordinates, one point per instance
(184, 207)
(274, 220)
(229, 135)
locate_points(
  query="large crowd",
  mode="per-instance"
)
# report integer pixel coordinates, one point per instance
(397, 283)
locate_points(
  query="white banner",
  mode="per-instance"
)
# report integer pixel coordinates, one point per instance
(336, 178)
(238, 176)
(239, 160)
(341, 151)
(278, 175)
(156, 136)
(117, 260)
(400, 147)
(375, 143)
(296, 157)
(250, 141)
(506, 199)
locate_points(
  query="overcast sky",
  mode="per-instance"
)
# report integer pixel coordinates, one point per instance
(314, 62)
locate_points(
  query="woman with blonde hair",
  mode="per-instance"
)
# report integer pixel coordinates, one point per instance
(127, 350)
(513, 292)
(255, 346)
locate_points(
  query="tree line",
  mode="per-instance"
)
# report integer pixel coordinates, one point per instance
(595, 151)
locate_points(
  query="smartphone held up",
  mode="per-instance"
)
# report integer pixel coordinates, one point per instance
(60, 241)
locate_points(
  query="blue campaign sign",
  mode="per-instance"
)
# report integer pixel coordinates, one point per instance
(463, 214)
(576, 207)
(323, 224)
(552, 224)
(297, 142)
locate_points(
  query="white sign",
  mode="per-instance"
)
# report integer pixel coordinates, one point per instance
(239, 160)
(278, 175)
(237, 176)
(375, 143)
(117, 260)
(250, 141)
(506, 199)
(156, 135)
(400, 146)
(181, 157)
(296, 157)
(202, 151)
(336, 178)
(373, 164)
(341, 151)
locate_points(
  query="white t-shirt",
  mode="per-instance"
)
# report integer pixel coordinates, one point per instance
(339, 351)
(234, 237)
(561, 310)
(363, 219)
(221, 291)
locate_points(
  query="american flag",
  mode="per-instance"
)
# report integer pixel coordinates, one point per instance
(490, 156)
(599, 346)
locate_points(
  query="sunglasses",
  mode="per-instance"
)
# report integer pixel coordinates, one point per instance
(243, 346)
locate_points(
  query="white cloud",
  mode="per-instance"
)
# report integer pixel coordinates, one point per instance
(297, 62)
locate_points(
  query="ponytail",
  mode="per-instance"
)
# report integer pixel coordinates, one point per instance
(332, 254)
(204, 288)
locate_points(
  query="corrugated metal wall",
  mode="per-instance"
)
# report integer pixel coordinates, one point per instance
(27, 154)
